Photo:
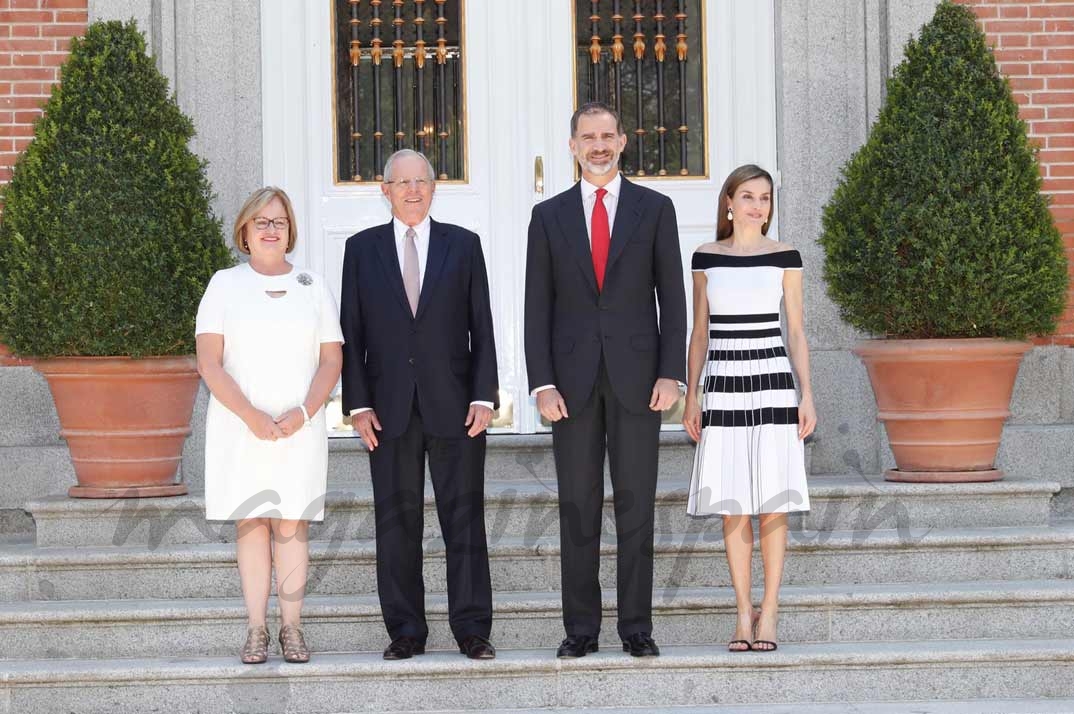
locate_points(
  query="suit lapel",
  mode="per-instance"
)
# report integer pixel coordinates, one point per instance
(389, 256)
(571, 217)
(627, 214)
(434, 264)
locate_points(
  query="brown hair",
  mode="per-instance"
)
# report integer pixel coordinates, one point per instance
(744, 173)
(258, 200)
(592, 108)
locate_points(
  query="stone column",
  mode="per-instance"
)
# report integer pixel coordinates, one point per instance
(833, 59)
(211, 54)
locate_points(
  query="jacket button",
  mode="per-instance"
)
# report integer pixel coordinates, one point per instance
(411, 360)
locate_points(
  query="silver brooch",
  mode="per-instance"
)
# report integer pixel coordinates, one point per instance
(304, 279)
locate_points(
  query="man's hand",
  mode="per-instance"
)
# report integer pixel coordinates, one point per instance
(551, 405)
(665, 394)
(478, 419)
(366, 422)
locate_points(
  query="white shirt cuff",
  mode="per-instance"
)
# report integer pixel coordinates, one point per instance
(359, 411)
(482, 404)
(541, 389)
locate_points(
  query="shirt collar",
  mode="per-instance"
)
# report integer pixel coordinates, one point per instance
(422, 229)
(613, 186)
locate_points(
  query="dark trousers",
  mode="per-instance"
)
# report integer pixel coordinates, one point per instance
(579, 444)
(457, 467)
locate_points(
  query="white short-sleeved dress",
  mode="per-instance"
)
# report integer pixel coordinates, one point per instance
(750, 459)
(272, 351)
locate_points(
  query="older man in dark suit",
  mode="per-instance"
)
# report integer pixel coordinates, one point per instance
(603, 363)
(419, 379)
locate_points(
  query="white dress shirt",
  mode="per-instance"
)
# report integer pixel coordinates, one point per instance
(421, 242)
(611, 202)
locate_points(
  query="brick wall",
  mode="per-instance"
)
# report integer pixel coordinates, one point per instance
(34, 35)
(1034, 46)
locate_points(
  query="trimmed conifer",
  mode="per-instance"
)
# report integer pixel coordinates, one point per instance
(107, 237)
(938, 228)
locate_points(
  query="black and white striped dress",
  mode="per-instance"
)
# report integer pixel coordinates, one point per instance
(750, 459)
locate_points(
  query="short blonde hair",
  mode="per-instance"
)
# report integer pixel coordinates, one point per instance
(258, 200)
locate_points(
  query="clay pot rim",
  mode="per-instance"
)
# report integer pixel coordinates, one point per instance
(115, 365)
(942, 348)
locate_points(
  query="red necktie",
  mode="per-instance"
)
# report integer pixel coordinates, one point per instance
(600, 237)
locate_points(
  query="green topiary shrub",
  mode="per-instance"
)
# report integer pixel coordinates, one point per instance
(107, 237)
(938, 227)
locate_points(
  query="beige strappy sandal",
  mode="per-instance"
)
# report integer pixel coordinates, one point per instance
(255, 651)
(294, 645)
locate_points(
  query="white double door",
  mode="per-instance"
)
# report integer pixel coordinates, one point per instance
(519, 87)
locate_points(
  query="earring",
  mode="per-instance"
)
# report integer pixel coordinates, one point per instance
(730, 216)
(245, 245)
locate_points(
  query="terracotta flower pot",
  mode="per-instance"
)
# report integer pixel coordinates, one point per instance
(9, 360)
(124, 420)
(943, 404)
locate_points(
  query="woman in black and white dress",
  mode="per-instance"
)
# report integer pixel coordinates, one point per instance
(749, 423)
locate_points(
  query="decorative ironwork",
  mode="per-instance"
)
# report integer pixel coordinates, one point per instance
(355, 54)
(397, 75)
(642, 93)
(594, 51)
(617, 54)
(660, 53)
(439, 93)
(378, 124)
(681, 49)
(639, 58)
(408, 75)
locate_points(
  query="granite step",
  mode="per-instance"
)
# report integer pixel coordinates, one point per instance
(695, 616)
(975, 706)
(532, 564)
(840, 673)
(508, 457)
(528, 509)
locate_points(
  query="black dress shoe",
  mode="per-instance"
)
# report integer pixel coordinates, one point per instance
(404, 648)
(477, 647)
(576, 646)
(641, 644)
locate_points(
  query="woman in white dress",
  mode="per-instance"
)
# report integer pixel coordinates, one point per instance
(270, 352)
(749, 424)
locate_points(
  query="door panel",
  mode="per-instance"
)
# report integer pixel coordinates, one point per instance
(520, 59)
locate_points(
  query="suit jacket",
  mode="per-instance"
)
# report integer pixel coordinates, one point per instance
(445, 355)
(569, 323)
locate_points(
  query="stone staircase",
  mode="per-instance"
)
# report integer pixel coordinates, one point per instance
(897, 597)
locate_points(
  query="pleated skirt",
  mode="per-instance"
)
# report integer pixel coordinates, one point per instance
(749, 459)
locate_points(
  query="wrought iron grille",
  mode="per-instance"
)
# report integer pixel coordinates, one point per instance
(398, 85)
(644, 58)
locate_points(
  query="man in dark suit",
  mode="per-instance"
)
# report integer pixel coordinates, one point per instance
(603, 363)
(419, 379)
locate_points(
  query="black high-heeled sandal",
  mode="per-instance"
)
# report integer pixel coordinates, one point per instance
(747, 644)
(766, 645)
